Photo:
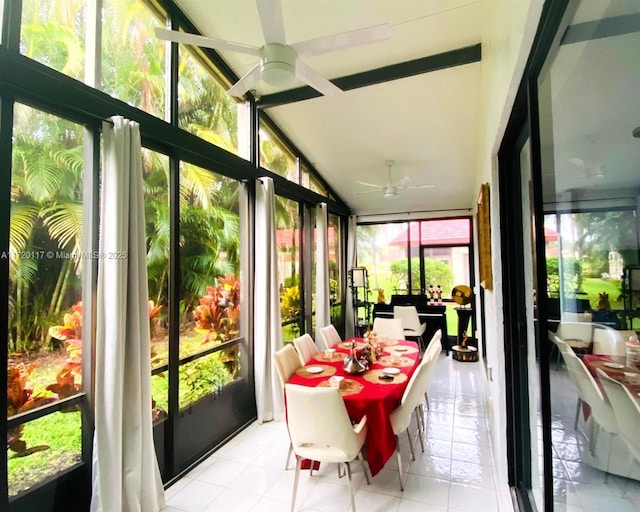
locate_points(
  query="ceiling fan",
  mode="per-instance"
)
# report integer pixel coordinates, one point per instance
(390, 189)
(280, 62)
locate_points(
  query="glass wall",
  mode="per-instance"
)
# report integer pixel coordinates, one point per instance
(140, 78)
(288, 240)
(53, 33)
(195, 202)
(335, 267)
(209, 266)
(45, 301)
(419, 257)
(590, 149)
(276, 156)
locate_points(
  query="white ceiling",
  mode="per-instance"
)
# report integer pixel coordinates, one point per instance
(427, 123)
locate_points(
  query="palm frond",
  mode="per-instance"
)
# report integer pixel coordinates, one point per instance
(64, 222)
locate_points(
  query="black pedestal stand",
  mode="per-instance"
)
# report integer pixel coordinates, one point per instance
(462, 351)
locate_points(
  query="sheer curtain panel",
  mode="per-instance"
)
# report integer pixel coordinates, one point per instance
(351, 262)
(126, 477)
(267, 337)
(323, 315)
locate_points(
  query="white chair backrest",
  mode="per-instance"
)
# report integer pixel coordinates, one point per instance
(330, 336)
(435, 345)
(568, 316)
(608, 341)
(430, 360)
(306, 348)
(413, 395)
(317, 419)
(562, 346)
(575, 331)
(287, 362)
(390, 327)
(409, 317)
(591, 393)
(625, 408)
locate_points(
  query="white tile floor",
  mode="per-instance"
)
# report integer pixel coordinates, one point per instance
(579, 487)
(455, 473)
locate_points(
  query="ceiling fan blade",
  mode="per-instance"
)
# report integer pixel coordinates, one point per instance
(251, 78)
(272, 21)
(419, 186)
(367, 191)
(368, 184)
(344, 40)
(204, 42)
(311, 77)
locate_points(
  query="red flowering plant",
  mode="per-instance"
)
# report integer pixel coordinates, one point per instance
(20, 398)
(71, 334)
(217, 315)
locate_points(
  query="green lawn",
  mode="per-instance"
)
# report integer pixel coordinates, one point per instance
(594, 286)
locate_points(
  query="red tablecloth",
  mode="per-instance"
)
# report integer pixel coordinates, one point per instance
(594, 361)
(377, 399)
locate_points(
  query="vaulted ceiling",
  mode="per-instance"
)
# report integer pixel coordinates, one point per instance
(426, 122)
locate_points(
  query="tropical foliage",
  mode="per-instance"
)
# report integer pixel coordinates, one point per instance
(48, 197)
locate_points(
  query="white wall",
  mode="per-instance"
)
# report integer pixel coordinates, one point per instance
(510, 27)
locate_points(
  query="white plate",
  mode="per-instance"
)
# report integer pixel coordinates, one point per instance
(314, 369)
(391, 371)
(617, 366)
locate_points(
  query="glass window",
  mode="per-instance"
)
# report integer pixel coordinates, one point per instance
(133, 59)
(276, 157)
(53, 33)
(156, 200)
(288, 241)
(45, 313)
(335, 259)
(209, 261)
(316, 186)
(54, 445)
(382, 249)
(590, 149)
(204, 108)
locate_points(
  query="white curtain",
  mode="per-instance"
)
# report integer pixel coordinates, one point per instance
(351, 262)
(125, 469)
(267, 321)
(323, 315)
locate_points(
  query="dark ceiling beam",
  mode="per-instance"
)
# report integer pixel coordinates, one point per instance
(606, 27)
(415, 67)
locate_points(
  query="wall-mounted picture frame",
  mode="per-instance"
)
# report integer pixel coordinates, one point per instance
(484, 238)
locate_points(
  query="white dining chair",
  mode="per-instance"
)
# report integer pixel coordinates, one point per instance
(626, 410)
(435, 344)
(306, 348)
(389, 327)
(602, 413)
(401, 416)
(564, 349)
(286, 362)
(330, 336)
(321, 430)
(410, 322)
(608, 341)
(430, 359)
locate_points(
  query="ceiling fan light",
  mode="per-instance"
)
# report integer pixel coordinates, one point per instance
(278, 64)
(390, 191)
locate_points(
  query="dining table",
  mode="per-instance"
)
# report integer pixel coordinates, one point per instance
(616, 367)
(367, 393)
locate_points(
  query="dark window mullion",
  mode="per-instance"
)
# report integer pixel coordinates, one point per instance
(6, 130)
